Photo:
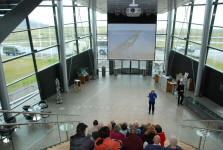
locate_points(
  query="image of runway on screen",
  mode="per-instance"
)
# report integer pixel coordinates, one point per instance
(131, 41)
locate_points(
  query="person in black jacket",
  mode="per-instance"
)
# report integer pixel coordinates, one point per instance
(180, 89)
(80, 141)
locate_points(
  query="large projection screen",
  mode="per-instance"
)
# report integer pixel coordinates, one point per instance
(131, 41)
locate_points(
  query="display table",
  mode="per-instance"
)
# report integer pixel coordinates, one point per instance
(156, 78)
(171, 86)
(84, 78)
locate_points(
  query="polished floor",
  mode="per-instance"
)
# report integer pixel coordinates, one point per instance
(121, 98)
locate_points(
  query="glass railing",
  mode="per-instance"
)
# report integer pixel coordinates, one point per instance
(34, 131)
(202, 134)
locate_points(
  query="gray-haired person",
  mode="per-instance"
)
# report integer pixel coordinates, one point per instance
(173, 144)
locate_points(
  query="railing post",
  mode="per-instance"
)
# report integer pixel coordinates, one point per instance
(58, 129)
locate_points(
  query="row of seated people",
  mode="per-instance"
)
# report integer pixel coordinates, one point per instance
(121, 137)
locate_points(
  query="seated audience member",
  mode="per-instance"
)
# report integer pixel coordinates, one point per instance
(116, 135)
(95, 134)
(94, 128)
(173, 144)
(156, 145)
(161, 134)
(124, 129)
(132, 141)
(149, 134)
(80, 141)
(104, 142)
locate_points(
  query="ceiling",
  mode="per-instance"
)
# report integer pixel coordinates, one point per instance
(162, 5)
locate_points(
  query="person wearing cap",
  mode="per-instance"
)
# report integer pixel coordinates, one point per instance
(152, 97)
(80, 141)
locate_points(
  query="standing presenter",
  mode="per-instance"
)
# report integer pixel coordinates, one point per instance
(152, 97)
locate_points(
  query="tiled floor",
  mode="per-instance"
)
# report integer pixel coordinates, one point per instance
(122, 98)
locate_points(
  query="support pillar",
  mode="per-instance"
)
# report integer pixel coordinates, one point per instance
(203, 52)
(63, 63)
(169, 34)
(4, 97)
(94, 34)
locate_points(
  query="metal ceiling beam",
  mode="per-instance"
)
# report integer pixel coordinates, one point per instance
(13, 18)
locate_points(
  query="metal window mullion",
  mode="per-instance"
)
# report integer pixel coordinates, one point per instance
(56, 27)
(89, 23)
(189, 27)
(211, 27)
(33, 55)
(174, 24)
(75, 26)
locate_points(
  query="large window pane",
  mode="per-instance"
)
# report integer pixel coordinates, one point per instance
(218, 16)
(160, 47)
(162, 16)
(68, 15)
(102, 27)
(103, 62)
(179, 45)
(82, 29)
(215, 59)
(196, 33)
(71, 49)
(81, 14)
(198, 14)
(84, 44)
(14, 45)
(118, 64)
(69, 32)
(102, 44)
(194, 50)
(18, 68)
(41, 17)
(21, 26)
(217, 37)
(183, 14)
(46, 58)
(43, 38)
(181, 29)
(161, 27)
(22, 88)
(101, 16)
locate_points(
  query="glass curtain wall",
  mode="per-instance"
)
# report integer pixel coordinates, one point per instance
(187, 37)
(35, 41)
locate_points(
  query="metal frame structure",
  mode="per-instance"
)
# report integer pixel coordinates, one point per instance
(34, 51)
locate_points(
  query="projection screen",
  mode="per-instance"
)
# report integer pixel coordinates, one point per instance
(131, 41)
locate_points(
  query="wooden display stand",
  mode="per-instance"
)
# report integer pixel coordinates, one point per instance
(83, 79)
(156, 78)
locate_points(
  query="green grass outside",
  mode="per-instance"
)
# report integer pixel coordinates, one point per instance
(22, 67)
(215, 64)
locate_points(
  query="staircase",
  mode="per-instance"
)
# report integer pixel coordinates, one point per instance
(7, 5)
(66, 146)
(12, 13)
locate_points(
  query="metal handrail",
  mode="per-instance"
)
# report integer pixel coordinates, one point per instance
(207, 129)
(203, 120)
(36, 123)
(21, 112)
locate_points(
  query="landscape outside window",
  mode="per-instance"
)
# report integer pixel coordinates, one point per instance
(19, 71)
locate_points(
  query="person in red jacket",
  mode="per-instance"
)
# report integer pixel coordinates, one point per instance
(116, 135)
(132, 141)
(161, 134)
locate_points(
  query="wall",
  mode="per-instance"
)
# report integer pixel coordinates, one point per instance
(48, 75)
(212, 85)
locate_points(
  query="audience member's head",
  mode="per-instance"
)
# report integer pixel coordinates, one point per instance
(150, 130)
(103, 133)
(81, 129)
(133, 130)
(100, 125)
(116, 128)
(124, 126)
(109, 125)
(158, 128)
(95, 122)
(113, 124)
(173, 141)
(156, 139)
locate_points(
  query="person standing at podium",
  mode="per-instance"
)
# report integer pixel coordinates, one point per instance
(152, 97)
(180, 89)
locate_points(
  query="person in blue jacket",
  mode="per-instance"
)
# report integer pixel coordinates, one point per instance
(152, 97)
